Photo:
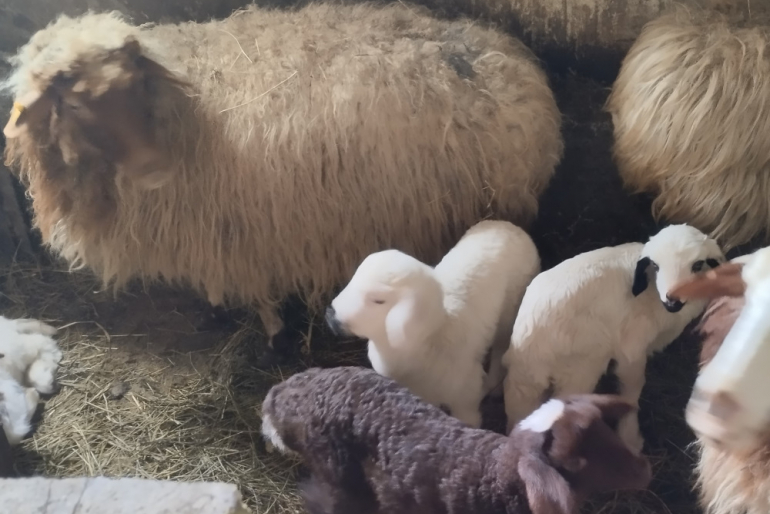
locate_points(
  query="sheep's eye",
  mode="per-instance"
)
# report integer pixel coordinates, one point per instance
(698, 266)
(379, 302)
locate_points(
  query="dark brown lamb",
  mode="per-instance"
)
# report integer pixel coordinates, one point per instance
(373, 447)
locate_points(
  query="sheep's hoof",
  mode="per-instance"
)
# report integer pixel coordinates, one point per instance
(269, 448)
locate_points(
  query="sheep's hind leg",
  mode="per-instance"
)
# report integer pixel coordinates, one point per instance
(631, 375)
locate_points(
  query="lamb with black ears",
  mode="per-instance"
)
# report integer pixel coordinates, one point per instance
(375, 448)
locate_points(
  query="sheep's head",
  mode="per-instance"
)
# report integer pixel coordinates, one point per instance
(578, 445)
(391, 296)
(83, 113)
(674, 254)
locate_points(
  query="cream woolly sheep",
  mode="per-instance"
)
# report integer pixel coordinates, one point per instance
(601, 306)
(431, 329)
(374, 447)
(690, 107)
(268, 153)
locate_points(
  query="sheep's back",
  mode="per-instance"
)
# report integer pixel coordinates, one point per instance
(691, 95)
(312, 138)
(410, 449)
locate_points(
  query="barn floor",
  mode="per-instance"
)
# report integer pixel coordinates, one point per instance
(153, 386)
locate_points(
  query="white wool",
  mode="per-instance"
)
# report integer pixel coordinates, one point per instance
(579, 315)
(436, 325)
(17, 406)
(30, 356)
(544, 417)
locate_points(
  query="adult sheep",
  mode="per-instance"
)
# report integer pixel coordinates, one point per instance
(267, 154)
(690, 107)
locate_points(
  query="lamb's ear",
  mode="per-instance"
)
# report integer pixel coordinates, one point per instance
(640, 276)
(547, 491)
(405, 323)
(613, 408)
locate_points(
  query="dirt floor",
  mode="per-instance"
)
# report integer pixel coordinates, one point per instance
(155, 385)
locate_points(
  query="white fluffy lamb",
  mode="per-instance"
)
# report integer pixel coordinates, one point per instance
(430, 329)
(29, 358)
(601, 306)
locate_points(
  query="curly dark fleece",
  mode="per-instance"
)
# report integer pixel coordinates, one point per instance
(374, 447)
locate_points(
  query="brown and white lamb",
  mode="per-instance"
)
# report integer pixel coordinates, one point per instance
(374, 447)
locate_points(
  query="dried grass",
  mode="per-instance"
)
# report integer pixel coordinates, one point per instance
(181, 419)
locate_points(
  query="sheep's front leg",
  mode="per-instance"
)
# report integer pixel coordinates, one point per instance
(272, 322)
(631, 375)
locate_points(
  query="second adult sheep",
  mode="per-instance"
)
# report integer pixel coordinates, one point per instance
(690, 108)
(267, 154)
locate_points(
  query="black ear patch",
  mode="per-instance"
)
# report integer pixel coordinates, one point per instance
(640, 276)
(713, 263)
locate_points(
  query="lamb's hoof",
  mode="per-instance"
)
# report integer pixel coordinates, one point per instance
(269, 448)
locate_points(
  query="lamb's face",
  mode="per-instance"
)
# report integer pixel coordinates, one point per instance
(383, 281)
(675, 254)
(584, 444)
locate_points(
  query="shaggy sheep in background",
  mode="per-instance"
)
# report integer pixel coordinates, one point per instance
(374, 447)
(269, 153)
(601, 306)
(430, 329)
(690, 108)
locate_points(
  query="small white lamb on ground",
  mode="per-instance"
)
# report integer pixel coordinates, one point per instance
(601, 306)
(17, 406)
(28, 357)
(430, 329)
(28, 353)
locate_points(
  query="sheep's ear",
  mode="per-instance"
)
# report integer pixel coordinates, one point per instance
(613, 408)
(547, 490)
(640, 276)
(404, 323)
(27, 110)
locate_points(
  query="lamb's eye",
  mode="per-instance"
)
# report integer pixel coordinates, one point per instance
(698, 266)
(379, 302)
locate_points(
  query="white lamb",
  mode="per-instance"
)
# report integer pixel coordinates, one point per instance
(601, 306)
(17, 406)
(28, 353)
(28, 357)
(430, 329)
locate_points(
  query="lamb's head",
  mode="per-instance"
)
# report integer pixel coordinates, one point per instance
(392, 297)
(83, 114)
(574, 441)
(674, 254)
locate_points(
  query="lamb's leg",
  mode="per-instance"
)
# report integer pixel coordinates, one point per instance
(34, 326)
(523, 396)
(42, 375)
(631, 375)
(469, 416)
(493, 383)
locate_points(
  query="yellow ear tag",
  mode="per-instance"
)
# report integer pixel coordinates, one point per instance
(11, 125)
